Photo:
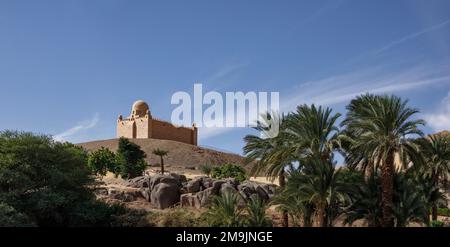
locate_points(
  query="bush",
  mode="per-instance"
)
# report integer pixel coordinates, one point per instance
(206, 169)
(130, 159)
(101, 161)
(437, 223)
(9, 217)
(229, 171)
(47, 183)
(444, 212)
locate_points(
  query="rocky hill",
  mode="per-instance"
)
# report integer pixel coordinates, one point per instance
(181, 156)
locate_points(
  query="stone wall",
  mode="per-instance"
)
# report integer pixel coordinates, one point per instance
(145, 127)
(167, 131)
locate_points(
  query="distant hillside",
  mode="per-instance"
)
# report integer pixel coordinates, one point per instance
(443, 133)
(181, 155)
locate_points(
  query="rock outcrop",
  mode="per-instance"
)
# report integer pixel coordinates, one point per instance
(164, 191)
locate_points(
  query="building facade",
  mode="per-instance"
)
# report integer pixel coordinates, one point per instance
(140, 124)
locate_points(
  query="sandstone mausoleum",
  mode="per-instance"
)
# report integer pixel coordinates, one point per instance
(140, 124)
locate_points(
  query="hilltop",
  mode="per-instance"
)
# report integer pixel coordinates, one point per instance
(181, 157)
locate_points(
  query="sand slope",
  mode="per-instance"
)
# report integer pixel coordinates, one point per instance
(181, 155)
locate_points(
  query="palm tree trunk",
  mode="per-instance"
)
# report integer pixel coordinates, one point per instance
(434, 212)
(387, 187)
(434, 208)
(162, 165)
(321, 217)
(284, 214)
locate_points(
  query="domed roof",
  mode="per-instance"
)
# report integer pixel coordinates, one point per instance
(139, 108)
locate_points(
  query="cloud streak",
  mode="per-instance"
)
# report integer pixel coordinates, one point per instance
(342, 88)
(411, 36)
(82, 126)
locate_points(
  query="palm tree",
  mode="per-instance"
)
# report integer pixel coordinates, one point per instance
(381, 125)
(365, 203)
(319, 182)
(268, 152)
(161, 153)
(312, 132)
(409, 201)
(299, 210)
(436, 151)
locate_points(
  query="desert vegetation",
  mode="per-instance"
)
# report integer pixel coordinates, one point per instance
(393, 175)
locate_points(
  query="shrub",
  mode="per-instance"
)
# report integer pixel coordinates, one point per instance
(101, 161)
(444, 212)
(206, 169)
(437, 223)
(229, 171)
(256, 210)
(224, 211)
(9, 217)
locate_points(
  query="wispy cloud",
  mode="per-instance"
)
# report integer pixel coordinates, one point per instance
(328, 7)
(411, 36)
(225, 71)
(342, 88)
(82, 126)
(440, 120)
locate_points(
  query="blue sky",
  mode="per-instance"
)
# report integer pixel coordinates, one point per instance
(69, 68)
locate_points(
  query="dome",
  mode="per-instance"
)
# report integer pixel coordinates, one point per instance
(139, 108)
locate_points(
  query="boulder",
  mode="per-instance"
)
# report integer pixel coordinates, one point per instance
(227, 188)
(262, 193)
(205, 196)
(145, 192)
(136, 182)
(246, 189)
(164, 195)
(193, 186)
(190, 200)
(121, 195)
(217, 185)
(232, 181)
(157, 179)
(180, 178)
(207, 182)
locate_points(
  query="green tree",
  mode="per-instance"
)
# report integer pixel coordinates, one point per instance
(269, 153)
(380, 126)
(409, 201)
(161, 153)
(47, 182)
(319, 183)
(312, 132)
(436, 152)
(130, 159)
(101, 161)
